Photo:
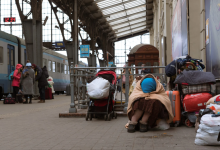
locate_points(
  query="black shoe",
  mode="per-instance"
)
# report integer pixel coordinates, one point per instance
(131, 128)
(143, 127)
(26, 102)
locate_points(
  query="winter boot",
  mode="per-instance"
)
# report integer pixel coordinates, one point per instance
(131, 127)
(143, 126)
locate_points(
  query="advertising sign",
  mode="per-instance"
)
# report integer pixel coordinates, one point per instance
(208, 51)
(9, 19)
(184, 31)
(214, 30)
(179, 30)
(60, 44)
(176, 32)
(84, 51)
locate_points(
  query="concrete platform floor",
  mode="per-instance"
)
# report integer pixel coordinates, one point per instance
(38, 127)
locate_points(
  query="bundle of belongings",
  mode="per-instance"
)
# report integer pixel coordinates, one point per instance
(208, 123)
(182, 63)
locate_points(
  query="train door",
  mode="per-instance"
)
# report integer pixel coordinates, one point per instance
(11, 58)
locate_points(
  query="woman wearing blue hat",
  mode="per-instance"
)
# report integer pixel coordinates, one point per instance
(27, 82)
(147, 104)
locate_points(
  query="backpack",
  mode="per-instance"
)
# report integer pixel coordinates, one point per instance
(170, 69)
(10, 77)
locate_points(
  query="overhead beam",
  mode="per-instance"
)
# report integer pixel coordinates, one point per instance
(131, 35)
(126, 10)
(130, 29)
(132, 25)
(104, 8)
(110, 21)
(128, 21)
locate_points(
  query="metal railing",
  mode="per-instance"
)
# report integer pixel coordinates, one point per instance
(79, 77)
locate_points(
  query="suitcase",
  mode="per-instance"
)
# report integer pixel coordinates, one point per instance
(48, 93)
(195, 102)
(9, 100)
(174, 97)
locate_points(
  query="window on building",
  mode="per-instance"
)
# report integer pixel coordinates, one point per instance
(44, 62)
(65, 69)
(62, 68)
(54, 66)
(58, 67)
(49, 65)
(1, 54)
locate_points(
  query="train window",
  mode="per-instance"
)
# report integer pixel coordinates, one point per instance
(58, 67)
(54, 66)
(44, 62)
(65, 69)
(68, 69)
(62, 68)
(1, 54)
(49, 65)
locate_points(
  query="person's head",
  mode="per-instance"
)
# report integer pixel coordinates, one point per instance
(33, 66)
(28, 64)
(143, 66)
(148, 85)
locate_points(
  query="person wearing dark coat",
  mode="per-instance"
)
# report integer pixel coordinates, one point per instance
(41, 77)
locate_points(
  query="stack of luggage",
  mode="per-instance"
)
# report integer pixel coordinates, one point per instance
(193, 84)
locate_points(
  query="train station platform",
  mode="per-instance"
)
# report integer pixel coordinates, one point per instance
(37, 126)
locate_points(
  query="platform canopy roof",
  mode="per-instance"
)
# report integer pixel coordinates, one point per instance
(120, 19)
(127, 18)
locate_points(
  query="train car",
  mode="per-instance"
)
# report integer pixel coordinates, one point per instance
(13, 50)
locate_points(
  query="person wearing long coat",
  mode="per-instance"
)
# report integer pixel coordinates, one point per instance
(27, 83)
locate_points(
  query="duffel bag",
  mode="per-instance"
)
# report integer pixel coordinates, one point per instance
(195, 102)
(98, 88)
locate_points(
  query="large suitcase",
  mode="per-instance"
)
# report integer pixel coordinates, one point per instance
(9, 100)
(48, 93)
(174, 97)
(201, 88)
(195, 102)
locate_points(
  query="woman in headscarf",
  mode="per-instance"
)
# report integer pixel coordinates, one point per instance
(148, 103)
(27, 82)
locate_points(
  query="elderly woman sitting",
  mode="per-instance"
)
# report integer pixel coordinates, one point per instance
(147, 104)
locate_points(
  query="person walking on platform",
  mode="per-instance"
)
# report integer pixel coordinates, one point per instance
(27, 82)
(16, 80)
(41, 77)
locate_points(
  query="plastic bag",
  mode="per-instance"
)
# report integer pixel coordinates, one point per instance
(207, 135)
(217, 107)
(9, 95)
(98, 88)
(162, 125)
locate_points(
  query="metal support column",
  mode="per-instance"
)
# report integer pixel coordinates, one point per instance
(11, 16)
(74, 57)
(72, 105)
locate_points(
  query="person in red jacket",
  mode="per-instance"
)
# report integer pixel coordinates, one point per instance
(16, 79)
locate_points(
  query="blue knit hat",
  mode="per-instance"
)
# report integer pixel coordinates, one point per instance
(148, 85)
